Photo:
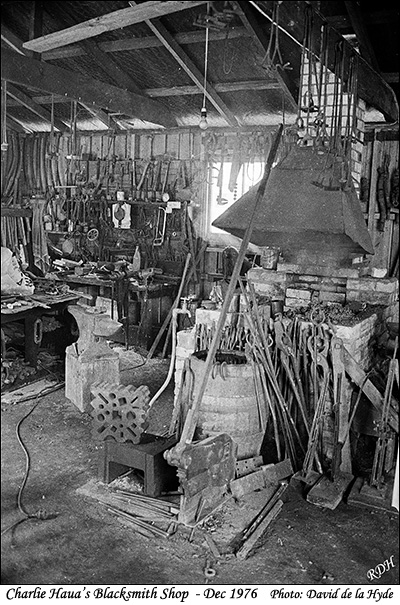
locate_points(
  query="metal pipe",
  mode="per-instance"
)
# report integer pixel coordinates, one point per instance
(175, 313)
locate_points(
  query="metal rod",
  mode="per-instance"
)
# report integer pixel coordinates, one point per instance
(191, 418)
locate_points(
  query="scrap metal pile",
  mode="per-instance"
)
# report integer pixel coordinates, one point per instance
(299, 365)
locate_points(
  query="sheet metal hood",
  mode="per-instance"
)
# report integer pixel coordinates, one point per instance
(306, 205)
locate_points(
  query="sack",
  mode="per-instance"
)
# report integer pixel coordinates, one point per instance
(13, 279)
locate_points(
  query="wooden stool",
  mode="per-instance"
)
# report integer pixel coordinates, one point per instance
(115, 459)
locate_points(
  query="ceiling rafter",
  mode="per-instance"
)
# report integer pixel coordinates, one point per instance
(26, 101)
(108, 22)
(191, 70)
(257, 31)
(176, 91)
(105, 61)
(16, 44)
(342, 22)
(103, 116)
(127, 44)
(358, 24)
(219, 87)
(31, 73)
(35, 24)
(12, 41)
(14, 124)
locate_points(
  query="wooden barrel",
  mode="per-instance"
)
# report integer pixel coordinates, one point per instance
(229, 405)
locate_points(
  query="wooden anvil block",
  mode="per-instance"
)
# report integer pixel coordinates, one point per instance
(90, 359)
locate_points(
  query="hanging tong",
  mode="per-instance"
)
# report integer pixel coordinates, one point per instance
(160, 226)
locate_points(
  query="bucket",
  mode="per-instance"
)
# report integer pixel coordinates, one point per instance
(229, 404)
(269, 258)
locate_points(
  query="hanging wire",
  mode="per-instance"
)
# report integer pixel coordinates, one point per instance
(205, 64)
(4, 143)
(228, 67)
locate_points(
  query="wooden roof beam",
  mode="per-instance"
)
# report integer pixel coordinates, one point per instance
(190, 68)
(126, 44)
(256, 29)
(177, 91)
(105, 61)
(101, 115)
(220, 87)
(12, 41)
(358, 24)
(108, 22)
(28, 72)
(342, 22)
(26, 101)
(14, 124)
(391, 77)
(35, 25)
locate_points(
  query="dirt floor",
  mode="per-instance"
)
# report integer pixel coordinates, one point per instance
(85, 544)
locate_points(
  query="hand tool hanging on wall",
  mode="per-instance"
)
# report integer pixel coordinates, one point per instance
(237, 162)
(141, 181)
(394, 188)
(165, 180)
(383, 192)
(160, 226)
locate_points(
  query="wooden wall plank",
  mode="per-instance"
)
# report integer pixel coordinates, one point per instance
(96, 146)
(120, 146)
(159, 145)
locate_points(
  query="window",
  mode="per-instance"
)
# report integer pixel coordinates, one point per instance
(220, 196)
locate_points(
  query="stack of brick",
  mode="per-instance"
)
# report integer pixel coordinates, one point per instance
(374, 291)
(299, 286)
(360, 339)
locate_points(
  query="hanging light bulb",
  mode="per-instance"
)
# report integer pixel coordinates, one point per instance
(203, 124)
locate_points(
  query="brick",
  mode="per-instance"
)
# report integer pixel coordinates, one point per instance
(385, 285)
(375, 298)
(332, 297)
(353, 296)
(307, 278)
(302, 294)
(186, 338)
(353, 284)
(293, 303)
(179, 363)
(272, 291)
(345, 332)
(379, 273)
(367, 284)
(269, 276)
(183, 352)
(328, 288)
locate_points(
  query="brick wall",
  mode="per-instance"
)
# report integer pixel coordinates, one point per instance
(298, 286)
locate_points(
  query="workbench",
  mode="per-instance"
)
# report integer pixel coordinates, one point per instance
(153, 301)
(29, 314)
